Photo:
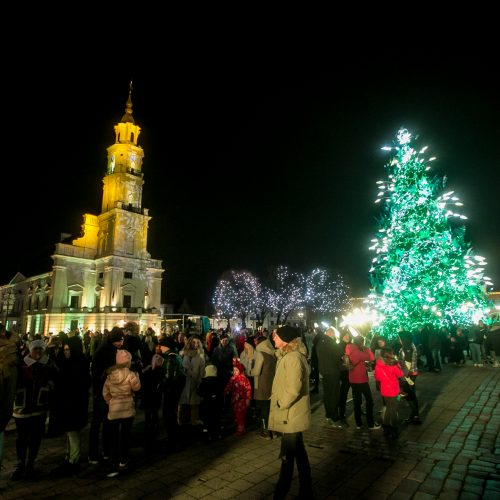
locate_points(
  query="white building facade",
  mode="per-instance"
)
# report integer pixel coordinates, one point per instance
(106, 277)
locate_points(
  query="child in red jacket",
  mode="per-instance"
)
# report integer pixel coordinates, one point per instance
(388, 372)
(241, 393)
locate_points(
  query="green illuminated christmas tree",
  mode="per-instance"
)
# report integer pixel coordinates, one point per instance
(424, 270)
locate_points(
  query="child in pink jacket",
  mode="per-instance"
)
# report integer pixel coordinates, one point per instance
(388, 372)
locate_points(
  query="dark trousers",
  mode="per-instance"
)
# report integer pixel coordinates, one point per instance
(29, 437)
(211, 412)
(99, 419)
(411, 396)
(358, 391)
(263, 406)
(391, 415)
(169, 415)
(344, 390)
(121, 433)
(293, 450)
(331, 395)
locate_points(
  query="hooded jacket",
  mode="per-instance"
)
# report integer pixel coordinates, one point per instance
(35, 385)
(388, 375)
(263, 370)
(290, 409)
(118, 390)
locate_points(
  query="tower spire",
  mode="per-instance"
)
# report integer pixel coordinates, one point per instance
(127, 117)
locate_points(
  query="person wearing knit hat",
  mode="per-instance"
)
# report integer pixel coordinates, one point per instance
(38, 344)
(240, 390)
(211, 392)
(239, 365)
(104, 357)
(35, 383)
(210, 371)
(290, 410)
(287, 333)
(168, 342)
(118, 392)
(115, 335)
(174, 380)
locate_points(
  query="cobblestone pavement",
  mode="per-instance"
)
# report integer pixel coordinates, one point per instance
(454, 454)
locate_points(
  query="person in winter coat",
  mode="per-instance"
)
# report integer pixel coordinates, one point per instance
(240, 390)
(193, 361)
(263, 372)
(9, 362)
(222, 358)
(71, 403)
(174, 380)
(359, 355)
(118, 392)
(408, 359)
(35, 384)
(290, 411)
(212, 393)
(329, 362)
(345, 385)
(151, 378)
(388, 372)
(104, 357)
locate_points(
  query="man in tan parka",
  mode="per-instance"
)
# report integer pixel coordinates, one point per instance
(290, 411)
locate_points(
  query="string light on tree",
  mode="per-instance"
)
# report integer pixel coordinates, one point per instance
(424, 271)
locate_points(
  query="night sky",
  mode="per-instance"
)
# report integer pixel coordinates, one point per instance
(246, 166)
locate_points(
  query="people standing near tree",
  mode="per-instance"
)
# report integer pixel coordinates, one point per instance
(290, 411)
(388, 373)
(35, 384)
(329, 363)
(493, 344)
(476, 343)
(359, 355)
(263, 372)
(407, 357)
(345, 385)
(118, 392)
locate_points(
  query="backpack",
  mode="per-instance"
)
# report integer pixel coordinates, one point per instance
(175, 373)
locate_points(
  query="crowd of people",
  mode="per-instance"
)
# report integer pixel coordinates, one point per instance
(188, 381)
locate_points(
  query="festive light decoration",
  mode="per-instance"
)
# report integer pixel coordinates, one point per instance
(236, 295)
(325, 292)
(239, 293)
(424, 271)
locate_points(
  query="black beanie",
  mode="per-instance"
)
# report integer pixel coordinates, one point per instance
(168, 342)
(115, 335)
(287, 333)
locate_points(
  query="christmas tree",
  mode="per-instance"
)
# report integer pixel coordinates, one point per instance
(424, 271)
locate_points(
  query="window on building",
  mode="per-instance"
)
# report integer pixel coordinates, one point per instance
(127, 301)
(101, 275)
(74, 301)
(128, 275)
